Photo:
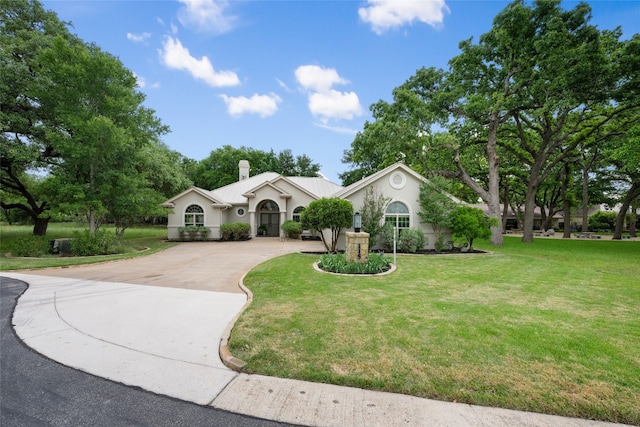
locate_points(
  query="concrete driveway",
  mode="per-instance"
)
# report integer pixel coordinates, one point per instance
(206, 266)
(163, 337)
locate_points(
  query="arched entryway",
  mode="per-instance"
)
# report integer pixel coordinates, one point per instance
(269, 219)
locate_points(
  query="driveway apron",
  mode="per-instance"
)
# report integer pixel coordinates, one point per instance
(163, 336)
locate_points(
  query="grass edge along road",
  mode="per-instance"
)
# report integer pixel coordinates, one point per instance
(138, 241)
(550, 327)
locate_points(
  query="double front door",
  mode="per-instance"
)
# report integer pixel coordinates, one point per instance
(270, 221)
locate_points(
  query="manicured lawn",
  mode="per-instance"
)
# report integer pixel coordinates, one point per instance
(139, 241)
(551, 327)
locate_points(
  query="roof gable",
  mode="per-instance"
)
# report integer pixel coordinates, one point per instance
(366, 181)
(201, 191)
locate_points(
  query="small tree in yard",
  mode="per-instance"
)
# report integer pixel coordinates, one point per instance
(328, 213)
(436, 208)
(469, 223)
(372, 213)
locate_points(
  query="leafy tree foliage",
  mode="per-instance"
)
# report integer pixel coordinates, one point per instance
(373, 205)
(26, 30)
(436, 208)
(328, 213)
(542, 83)
(221, 167)
(469, 223)
(73, 113)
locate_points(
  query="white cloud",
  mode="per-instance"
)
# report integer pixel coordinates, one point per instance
(176, 56)
(138, 38)
(206, 15)
(263, 105)
(283, 85)
(387, 14)
(324, 101)
(313, 77)
(334, 104)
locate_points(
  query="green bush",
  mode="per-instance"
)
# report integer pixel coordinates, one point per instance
(235, 231)
(31, 246)
(292, 229)
(411, 240)
(102, 242)
(602, 221)
(337, 263)
(193, 232)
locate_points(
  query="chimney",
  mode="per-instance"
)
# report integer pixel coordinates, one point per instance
(243, 166)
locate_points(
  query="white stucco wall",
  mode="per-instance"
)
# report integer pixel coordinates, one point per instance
(398, 186)
(212, 215)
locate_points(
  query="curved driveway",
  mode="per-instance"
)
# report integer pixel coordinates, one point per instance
(163, 337)
(207, 266)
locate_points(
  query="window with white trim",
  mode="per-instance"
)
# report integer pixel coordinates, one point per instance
(194, 215)
(296, 213)
(397, 214)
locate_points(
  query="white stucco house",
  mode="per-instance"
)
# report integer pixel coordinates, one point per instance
(266, 200)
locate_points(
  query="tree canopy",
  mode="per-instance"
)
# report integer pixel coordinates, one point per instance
(221, 167)
(511, 109)
(328, 213)
(72, 115)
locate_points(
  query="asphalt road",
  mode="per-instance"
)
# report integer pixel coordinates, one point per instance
(36, 391)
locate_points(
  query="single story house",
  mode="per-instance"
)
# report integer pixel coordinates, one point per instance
(266, 200)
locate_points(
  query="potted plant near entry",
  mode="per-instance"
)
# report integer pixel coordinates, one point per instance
(262, 230)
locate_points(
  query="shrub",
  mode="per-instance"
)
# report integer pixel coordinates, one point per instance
(337, 263)
(602, 221)
(193, 232)
(468, 223)
(292, 229)
(411, 240)
(387, 237)
(102, 242)
(32, 246)
(235, 231)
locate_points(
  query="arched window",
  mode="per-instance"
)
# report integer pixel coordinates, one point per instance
(194, 215)
(397, 214)
(296, 213)
(270, 206)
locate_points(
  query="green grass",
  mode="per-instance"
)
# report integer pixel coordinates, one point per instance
(139, 241)
(551, 327)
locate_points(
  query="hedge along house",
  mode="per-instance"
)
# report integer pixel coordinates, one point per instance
(266, 200)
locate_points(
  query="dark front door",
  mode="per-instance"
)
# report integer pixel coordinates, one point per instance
(272, 222)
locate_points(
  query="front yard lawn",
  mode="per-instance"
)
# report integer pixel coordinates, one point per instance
(551, 327)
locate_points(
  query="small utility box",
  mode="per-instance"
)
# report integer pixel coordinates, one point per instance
(357, 246)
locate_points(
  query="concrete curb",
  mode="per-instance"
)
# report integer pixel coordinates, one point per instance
(227, 358)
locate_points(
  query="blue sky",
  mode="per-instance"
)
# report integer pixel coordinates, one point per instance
(297, 75)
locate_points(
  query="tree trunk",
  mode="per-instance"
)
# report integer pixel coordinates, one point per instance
(490, 196)
(40, 226)
(493, 202)
(566, 203)
(530, 201)
(529, 212)
(634, 217)
(505, 207)
(633, 192)
(585, 199)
